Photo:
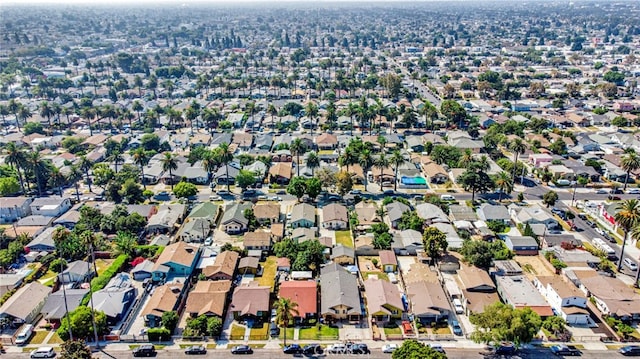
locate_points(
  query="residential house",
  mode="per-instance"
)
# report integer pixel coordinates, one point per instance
(280, 173)
(177, 259)
(478, 290)
(342, 255)
(427, 301)
(339, 294)
(394, 213)
(367, 213)
(224, 266)
(267, 214)
(326, 141)
(14, 208)
(490, 212)
(561, 172)
(249, 265)
(226, 175)
(205, 210)
(335, 216)
(611, 297)
(115, 298)
(142, 270)
(533, 215)
(50, 206)
(165, 298)
(431, 213)
(407, 242)
(388, 261)
(303, 215)
(25, 304)
(565, 299)
(250, 301)
(384, 301)
(283, 264)
(233, 220)
(453, 239)
(76, 272)
(56, 305)
(435, 173)
(522, 245)
(43, 242)
(195, 230)
(519, 292)
(364, 245)
(462, 213)
(67, 220)
(540, 160)
(303, 293)
(167, 219)
(208, 298)
(257, 241)
(282, 156)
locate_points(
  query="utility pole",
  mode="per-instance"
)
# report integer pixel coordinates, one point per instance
(66, 307)
(573, 197)
(93, 311)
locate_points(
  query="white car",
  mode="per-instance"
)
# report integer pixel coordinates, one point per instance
(634, 191)
(336, 348)
(601, 191)
(599, 231)
(389, 348)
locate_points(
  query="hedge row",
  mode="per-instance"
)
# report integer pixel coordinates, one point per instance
(101, 281)
(158, 334)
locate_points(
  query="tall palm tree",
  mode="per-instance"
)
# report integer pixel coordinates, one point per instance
(351, 110)
(396, 159)
(381, 163)
(504, 182)
(36, 164)
(313, 162)
(75, 175)
(116, 157)
(14, 106)
(169, 163)
(56, 179)
(209, 162)
(635, 234)
(85, 165)
(365, 160)
(517, 147)
(24, 113)
(286, 311)
(628, 217)
(630, 162)
(297, 148)
(137, 107)
(46, 111)
(141, 158)
(225, 156)
(16, 159)
(311, 111)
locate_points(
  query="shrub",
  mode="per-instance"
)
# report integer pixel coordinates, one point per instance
(58, 265)
(6, 296)
(158, 334)
(101, 281)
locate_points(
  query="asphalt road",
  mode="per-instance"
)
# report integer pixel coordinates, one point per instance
(376, 354)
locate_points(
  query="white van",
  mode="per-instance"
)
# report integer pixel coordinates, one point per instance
(24, 334)
(457, 305)
(630, 264)
(44, 352)
(447, 197)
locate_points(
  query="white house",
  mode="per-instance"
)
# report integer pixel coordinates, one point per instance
(14, 208)
(565, 299)
(50, 206)
(334, 216)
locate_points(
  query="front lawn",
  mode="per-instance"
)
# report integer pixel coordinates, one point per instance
(344, 238)
(55, 339)
(48, 278)
(268, 278)
(38, 337)
(318, 332)
(392, 330)
(380, 275)
(260, 331)
(103, 264)
(237, 331)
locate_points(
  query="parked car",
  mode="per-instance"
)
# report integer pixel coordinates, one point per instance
(599, 231)
(293, 349)
(633, 191)
(613, 198)
(274, 331)
(146, 350)
(241, 349)
(338, 348)
(601, 191)
(389, 348)
(565, 350)
(196, 349)
(437, 347)
(630, 350)
(582, 216)
(44, 352)
(312, 349)
(505, 348)
(616, 191)
(629, 263)
(456, 327)
(359, 348)
(590, 224)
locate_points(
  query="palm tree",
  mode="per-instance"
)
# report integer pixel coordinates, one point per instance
(116, 157)
(517, 147)
(630, 162)
(297, 148)
(628, 217)
(313, 162)
(286, 311)
(74, 175)
(24, 113)
(396, 159)
(141, 158)
(311, 111)
(169, 163)
(137, 107)
(85, 165)
(365, 161)
(381, 163)
(504, 182)
(36, 165)
(16, 159)
(225, 156)
(351, 110)
(56, 179)
(467, 159)
(46, 111)
(210, 162)
(14, 106)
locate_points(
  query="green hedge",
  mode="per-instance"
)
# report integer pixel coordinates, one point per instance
(7, 295)
(101, 281)
(158, 334)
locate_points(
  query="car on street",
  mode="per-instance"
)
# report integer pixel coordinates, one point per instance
(338, 348)
(590, 224)
(241, 349)
(616, 191)
(599, 231)
(359, 348)
(312, 349)
(630, 350)
(437, 347)
(505, 348)
(457, 330)
(44, 352)
(565, 350)
(633, 191)
(146, 350)
(196, 349)
(601, 191)
(389, 348)
(293, 349)
(614, 198)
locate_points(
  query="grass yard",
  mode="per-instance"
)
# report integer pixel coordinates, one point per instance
(290, 333)
(268, 273)
(443, 330)
(257, 346)
(38, 337)
(392, 331)
(103, 264)
(55, 339)
(263, 331)
(317, 332)
(344, 238)
(48, 278)
(237, 331)
(157, 346)
(380, 275)
(211, 346)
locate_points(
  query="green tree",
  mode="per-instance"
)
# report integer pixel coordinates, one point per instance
(68, 244)
(33, 127)
(170, 164)
(554, 324)
(170, 320)
(245, 179)
(286, 311)
(225, 156)
(214, 326)
(550, 198)
(500, 322)
(344, 182)
(185, 189)
(365, 160)
(630, 162)
(131, 192)
(504, 183)
(397, 158)
(82, 324)
(453, 111)
(476, 182)
(297, 187)
(517, 147)
(413, 349)
(627, 217)
(313, 187)
(75, 349)
(125, 243)
(435, 242)
(481, 254)
(9, 186)
(297, 148)
(313, 162)
(141, 158)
